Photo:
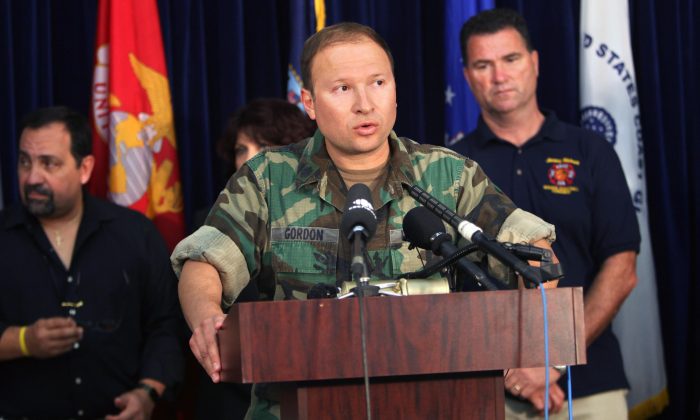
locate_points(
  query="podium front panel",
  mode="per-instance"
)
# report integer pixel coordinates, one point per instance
(476, 396)
(414, 335)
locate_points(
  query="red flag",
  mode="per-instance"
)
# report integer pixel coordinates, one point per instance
(136, 163)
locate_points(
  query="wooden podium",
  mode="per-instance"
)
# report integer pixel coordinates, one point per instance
(429, 356)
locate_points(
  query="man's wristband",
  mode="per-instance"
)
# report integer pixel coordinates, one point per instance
(23, 341)
(560, 369)
(152, 393)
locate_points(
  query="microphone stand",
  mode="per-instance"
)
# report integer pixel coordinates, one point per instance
(358, 265)
(547, 270)
(473, 234)
(358, 268)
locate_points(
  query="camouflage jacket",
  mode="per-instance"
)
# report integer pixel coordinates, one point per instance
(277, 221)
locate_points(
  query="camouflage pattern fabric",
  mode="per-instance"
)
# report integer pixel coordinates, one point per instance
(277, 221)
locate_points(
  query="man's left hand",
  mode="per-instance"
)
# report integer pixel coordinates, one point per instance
(133, 405)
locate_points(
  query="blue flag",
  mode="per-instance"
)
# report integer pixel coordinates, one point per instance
(461, 109)
(306, 17)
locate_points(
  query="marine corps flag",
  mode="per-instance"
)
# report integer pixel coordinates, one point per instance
(136, 162)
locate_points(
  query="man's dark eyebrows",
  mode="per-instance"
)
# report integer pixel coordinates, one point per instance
(515, 54)
(48, 158)
(41, 158)
(481, 61)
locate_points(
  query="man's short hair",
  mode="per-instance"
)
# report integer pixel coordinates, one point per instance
(76, 124)
(335, 34)
(490, 22)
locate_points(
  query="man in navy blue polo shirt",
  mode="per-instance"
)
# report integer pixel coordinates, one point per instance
(569, 177)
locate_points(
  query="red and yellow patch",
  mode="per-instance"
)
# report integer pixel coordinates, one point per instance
(561, 174)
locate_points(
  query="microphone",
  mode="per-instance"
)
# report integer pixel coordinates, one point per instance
(359, 213)
(473, 233)
(358, 225)
(425, 230)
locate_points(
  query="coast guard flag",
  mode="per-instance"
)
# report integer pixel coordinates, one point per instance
(136, 162)
(610, 106)
(306, 18)
(461, 109)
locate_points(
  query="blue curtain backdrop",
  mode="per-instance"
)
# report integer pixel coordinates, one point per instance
(220, 54)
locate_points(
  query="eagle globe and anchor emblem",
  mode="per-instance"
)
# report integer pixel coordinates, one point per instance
(137, 139)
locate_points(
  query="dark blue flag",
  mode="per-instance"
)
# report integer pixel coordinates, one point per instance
(461, 110)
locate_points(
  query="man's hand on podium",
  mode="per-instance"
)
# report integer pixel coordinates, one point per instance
(205, 346)
(200, 292)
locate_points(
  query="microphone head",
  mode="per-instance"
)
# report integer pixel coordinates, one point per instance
(358, 212)
(424, 229)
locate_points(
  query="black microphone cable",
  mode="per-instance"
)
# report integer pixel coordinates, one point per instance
(437, 266)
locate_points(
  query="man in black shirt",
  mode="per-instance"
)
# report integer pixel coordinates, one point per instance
(570, 177)
(88, 311)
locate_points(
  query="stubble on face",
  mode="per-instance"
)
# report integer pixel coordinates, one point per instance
(37, 206)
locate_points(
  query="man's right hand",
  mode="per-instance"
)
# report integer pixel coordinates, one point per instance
(50, 337)
(529, 384)
(556, 399)
(205, 347)
(200, 293)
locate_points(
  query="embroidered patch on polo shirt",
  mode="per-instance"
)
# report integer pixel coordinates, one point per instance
(561, 174)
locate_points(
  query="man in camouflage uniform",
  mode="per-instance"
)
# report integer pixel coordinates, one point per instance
(277, 221)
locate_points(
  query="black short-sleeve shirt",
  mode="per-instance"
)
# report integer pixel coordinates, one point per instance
(573, 179)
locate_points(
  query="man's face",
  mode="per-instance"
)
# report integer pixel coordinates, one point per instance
(501, 72)
(354, 101)
(50, 180)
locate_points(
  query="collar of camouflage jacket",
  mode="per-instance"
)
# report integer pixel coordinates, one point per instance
(316, 169)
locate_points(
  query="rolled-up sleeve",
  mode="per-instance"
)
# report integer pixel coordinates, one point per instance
(209, 245)
(523, 227)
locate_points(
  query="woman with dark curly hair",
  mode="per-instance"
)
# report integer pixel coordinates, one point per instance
(262, 123)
